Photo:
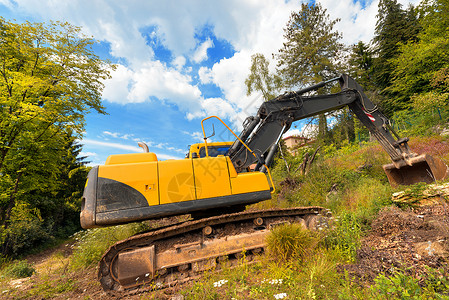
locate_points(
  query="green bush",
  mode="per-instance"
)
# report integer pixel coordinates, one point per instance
(398, 286)
(291, 241)
(434, 284)
(25, 233)
(19, 269)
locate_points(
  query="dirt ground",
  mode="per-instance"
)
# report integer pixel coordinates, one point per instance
(410, 239)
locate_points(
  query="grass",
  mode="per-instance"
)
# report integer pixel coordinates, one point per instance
(352, 184)
(51, 278)
(18, 269)
(300, 264)
(92, 243)
(291, 242)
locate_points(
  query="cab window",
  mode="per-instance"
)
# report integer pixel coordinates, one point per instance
(214, 150)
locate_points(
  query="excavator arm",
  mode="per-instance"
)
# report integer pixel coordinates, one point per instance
(274, 117)
(214, 189)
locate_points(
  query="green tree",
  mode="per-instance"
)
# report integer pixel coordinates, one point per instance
(312, 47)
(311, 52)
(422, 64)
(360, 64)
(394, 26)
(49, 79)
(260, 79)
(421, 74)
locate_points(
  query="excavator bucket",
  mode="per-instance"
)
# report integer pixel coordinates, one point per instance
(421, 168)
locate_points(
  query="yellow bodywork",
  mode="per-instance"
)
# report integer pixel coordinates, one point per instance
(171, 181)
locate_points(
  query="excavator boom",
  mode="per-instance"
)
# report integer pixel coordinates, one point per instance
(275, 117)
(213, 184)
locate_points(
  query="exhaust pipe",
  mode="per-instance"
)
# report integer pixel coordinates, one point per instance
(421, 168)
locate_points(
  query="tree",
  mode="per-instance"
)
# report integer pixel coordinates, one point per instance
(394, 26)
(311, 52)
(360, 64)
(49, 78)
(312, 47)
(260, 78)
(422, 62)
(421, 73)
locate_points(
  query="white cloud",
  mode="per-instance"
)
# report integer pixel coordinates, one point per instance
(179, 62)
(102, 144)
(118, 135)
(308, 130)
(111, 145)
(152, 79)
(8, 3)
(197, 136)
(111, 134)
(89, 154)
(218, 107)
(201, 53)
(249, 26)
(117, 88)
(205, 75)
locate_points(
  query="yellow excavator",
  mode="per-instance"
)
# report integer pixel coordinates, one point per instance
(214, 184)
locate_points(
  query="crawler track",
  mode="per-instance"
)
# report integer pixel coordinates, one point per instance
(179, 253)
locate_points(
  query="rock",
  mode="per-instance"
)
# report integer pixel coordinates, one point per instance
(17, 283)
(430, 248)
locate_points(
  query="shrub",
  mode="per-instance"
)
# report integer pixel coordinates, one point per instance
(345, 237)
(399, 286)
(25, 233)
(92, 243)
(19, 269)
(291, 241)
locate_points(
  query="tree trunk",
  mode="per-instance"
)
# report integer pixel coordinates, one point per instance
(322, 128)
(12, 202)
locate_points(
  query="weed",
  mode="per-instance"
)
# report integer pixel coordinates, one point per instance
(291, 241)
(19, 269)
(49, 288)
(92, 243)
(345, 237)
(399, 286)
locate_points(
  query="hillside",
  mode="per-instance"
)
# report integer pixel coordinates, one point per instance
(374, 246)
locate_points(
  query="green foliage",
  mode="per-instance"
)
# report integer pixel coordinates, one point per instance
(50, 78)
(25, 232)
(19, 269)
(311, 48)
(415, 122)
(394, 26)
(291, 242)
(92, 243)
(360, 64)
(345, 236)
(50, 287)
(420, 70)
(400, 285)
(260, 79)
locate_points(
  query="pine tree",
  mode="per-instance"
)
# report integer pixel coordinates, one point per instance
(311, 52)
(394, 27)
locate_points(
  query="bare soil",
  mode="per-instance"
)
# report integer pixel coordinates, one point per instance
(410, 239)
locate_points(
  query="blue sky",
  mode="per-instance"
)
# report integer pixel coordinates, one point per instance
(178, 62)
